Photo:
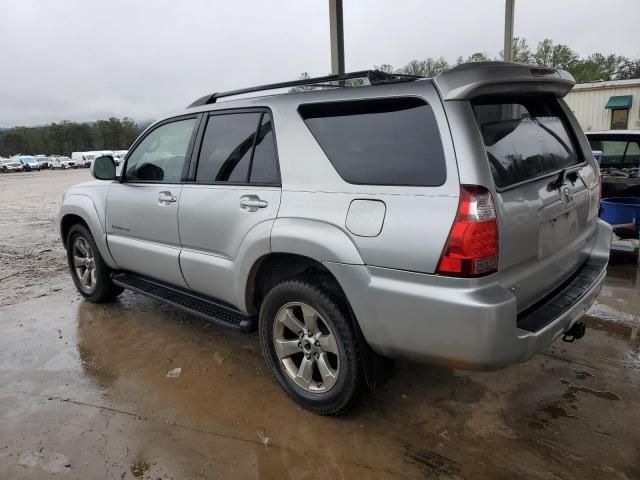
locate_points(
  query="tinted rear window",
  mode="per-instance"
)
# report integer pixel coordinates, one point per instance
(525, 137)
(393, 141)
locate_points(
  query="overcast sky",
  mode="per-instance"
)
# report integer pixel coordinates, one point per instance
(89, 59)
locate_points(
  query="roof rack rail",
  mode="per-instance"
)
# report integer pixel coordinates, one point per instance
(375, 77)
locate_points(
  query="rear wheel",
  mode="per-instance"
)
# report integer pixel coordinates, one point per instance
(90, 274)
(308, 342)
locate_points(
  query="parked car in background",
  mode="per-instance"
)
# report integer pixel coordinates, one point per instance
(79, 159)
(118, 156)
(620, 161)
(62, 163)
(10, 165)
(452, 220)
(29, 163)
(44, 161)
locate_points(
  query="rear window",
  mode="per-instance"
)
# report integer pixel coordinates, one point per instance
(616, 152)
(525, 137)
(391, 141)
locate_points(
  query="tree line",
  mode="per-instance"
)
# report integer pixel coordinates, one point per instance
(592, 68)
(65, 137)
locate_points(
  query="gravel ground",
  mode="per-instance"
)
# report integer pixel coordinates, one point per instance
(31, 254)
(135, 389)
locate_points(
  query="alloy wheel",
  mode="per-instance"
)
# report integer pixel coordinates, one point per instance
(84, 263)
(307, 347)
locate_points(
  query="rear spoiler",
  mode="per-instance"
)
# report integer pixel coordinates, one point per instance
(490, 78)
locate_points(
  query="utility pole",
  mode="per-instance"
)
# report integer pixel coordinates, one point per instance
(337, 36)
(508, 30)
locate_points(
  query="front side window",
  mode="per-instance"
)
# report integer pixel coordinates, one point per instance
(525, 137)
(161, 155)
(238, 148)
(387, 141)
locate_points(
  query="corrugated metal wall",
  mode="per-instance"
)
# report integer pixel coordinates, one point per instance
(587, 102)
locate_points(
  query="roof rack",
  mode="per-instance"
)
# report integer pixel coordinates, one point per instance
(375, 77)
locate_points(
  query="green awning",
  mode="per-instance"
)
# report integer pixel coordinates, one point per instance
(620, 101)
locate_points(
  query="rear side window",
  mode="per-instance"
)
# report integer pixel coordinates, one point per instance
(238, 148)
(390, 141)
(525, 137)
(616, 152)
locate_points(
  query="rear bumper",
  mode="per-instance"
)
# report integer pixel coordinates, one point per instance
(462, 323)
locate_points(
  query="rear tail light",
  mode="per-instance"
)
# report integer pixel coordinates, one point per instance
(472, 247)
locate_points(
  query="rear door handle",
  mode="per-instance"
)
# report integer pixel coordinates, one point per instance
(165, 198)
(251, 203)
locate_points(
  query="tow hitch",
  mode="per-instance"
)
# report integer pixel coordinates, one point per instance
(576, 332)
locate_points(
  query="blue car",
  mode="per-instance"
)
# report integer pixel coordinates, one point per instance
(29, 163)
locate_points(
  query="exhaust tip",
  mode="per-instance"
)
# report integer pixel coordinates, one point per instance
(576, 332)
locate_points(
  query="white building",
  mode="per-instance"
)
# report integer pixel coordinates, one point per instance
(607, 105)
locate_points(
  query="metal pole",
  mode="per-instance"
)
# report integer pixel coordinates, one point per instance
(508, 31)
(337, 36)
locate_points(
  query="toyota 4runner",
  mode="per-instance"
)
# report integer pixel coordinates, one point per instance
(450, 220)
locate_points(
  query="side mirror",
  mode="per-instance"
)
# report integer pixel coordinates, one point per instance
(104, 168)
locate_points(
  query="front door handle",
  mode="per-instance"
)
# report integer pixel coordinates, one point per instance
(165, 198)
(251, 203)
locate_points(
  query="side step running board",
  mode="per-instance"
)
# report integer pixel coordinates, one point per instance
(188, 301)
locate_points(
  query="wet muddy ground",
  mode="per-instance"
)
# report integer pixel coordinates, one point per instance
(85, 391)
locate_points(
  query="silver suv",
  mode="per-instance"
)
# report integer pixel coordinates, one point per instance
(451, 220)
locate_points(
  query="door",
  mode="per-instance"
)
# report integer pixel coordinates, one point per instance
(546, 191)
(619, 119)
(142, 210)
(232, 203)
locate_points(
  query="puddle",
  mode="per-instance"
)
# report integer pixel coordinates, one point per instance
(614, 328)
(572, 390)
(609, 313)
(548, 412)
(582, 375)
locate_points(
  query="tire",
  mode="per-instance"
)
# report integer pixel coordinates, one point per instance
(97, 287)
(337, 395)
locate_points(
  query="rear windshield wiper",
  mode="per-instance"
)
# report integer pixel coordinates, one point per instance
(559, 181)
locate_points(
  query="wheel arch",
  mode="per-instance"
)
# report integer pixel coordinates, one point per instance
(81, 209)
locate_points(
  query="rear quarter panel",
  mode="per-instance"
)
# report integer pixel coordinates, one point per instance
(417, 219)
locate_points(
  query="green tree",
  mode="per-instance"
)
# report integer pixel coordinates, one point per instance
(553, 55)
(521, 51)
(628, 69)
(596, 67)
(385, 67)
(64, 137)
(474, 57)
(430, 67)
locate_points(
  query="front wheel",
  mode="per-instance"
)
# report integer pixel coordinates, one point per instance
(310, 345)
(90, 274)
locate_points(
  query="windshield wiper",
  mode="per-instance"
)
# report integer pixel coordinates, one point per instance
(559, 181)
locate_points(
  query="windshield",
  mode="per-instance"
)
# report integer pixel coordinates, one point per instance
(525, 137)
